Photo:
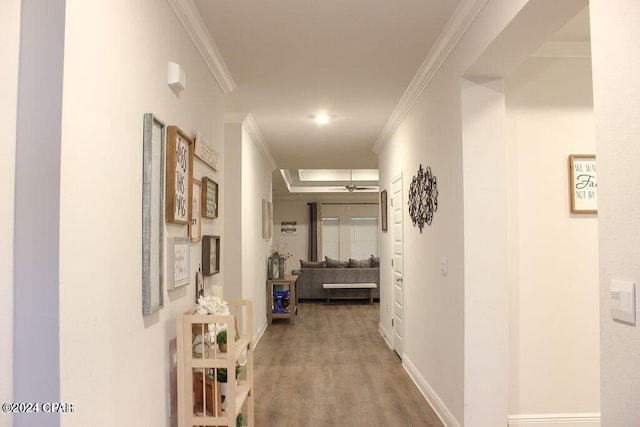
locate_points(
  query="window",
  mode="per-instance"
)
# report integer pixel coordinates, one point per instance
(331, 237)
(364, 237)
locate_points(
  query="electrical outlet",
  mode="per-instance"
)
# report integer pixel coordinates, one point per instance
(443, 266)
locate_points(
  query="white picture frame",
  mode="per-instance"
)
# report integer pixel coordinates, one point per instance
(178, 267)
(195, 222)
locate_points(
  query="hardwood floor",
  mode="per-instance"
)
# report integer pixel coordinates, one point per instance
(332, 368)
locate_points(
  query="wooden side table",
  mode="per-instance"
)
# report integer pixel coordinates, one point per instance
(289, 283)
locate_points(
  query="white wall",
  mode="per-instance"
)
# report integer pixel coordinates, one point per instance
(436, 305)
(117, 365)
(36, 215)
(555, 333)
(485, 220)
(298, 244)
(248, 173)
(256, 186)
(615, 35)
(10, 35)
(232, 207)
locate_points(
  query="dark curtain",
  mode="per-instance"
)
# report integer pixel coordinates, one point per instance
(314, 230)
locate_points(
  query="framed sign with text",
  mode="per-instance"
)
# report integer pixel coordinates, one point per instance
(383, 209)
(178, 266)
(210, 255)
(179, 172)
(583, 183)
(209, 198)
(205, 152)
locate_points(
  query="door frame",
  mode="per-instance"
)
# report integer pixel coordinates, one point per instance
(399, 351)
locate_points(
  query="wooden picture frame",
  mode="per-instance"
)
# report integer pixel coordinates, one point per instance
(179, 174)
(195, 213)
(210, 255)
(583, 183)
(210, 198)
(153, 141)
(267, 219)
(383, 210)
(178, 268)
(206, 152)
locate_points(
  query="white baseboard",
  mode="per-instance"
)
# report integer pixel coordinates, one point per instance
(429, 394)
(258, 335)
(555, 420)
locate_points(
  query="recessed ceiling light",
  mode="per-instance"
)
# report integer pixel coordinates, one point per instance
(322, 119)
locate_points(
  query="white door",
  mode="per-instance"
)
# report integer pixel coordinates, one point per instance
(398, 285)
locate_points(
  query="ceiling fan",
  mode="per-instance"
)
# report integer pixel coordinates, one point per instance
(351, 187)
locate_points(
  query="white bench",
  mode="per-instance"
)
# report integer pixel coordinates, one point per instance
(329, 286)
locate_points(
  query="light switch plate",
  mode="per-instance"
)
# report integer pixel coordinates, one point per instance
(623, 301)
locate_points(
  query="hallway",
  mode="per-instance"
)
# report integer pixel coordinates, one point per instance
(333, 368)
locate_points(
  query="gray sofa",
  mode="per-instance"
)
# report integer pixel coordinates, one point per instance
(310, 282)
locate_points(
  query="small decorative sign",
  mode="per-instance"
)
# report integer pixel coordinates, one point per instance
(209, 200)
(178, 267)
(583, 183)
(288, 228)
(267, 219)
(179, 170)
(206, 153)
(210, 255)
(195, 225)
(383, 209)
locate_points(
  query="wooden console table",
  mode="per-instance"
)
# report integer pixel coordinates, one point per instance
(289, 283)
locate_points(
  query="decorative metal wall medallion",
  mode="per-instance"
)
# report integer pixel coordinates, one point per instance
(423, 197)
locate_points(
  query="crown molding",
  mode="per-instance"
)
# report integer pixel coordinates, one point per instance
(462, 18)
(559, 49)
(192, 22)
(249, 124)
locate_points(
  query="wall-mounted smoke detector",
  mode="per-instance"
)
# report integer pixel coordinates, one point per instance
(177, 79)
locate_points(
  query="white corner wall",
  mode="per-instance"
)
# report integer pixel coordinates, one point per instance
(256, 186)
(431, 134)
(246, 251)
(9, 50)
(116, 365)
(615, 37)
(487, 252)
(554, 331)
